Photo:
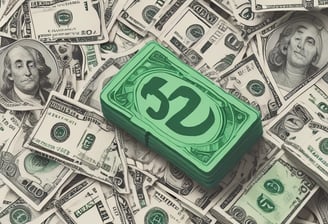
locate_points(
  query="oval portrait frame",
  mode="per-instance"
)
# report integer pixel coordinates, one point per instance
(297, 17)
(54, 75)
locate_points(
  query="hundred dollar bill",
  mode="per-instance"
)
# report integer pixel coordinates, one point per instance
(283, 52)
(162, 207)
(139, 15)
(302, 129)
(252, 162)
(18, 211)
(121, 39)
(248, 82)
(63, 20)
(33, 177)
(251, 22)
(188, 26)
(84, 202)
(275, 195)
(80, 137)
(204, 57)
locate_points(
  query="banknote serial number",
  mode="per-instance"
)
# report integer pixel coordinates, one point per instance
(49, 146)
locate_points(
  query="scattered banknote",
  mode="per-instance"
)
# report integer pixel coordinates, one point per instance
(85, 201)
(280, 49)
(302, 130)
(80, 137)
(248, 82)
(65, 21)
(34, 178)
(275, 195)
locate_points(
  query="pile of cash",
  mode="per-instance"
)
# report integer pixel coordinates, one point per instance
(63, 161)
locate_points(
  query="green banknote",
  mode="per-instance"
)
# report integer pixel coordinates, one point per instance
(33, 177)
(81, 138)
(179, 113)
(302, 130)
(276, 194)
(57, 21)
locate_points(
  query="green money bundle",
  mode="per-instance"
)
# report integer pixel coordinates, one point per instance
(181, 114)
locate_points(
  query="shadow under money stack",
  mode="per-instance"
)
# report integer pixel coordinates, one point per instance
(180, 114)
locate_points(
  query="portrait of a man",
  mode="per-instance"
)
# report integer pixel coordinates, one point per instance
(25, 76)
(296, 54)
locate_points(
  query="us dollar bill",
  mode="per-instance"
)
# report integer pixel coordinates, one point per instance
(65, 21)
(187, 26)
(90, 93)
(84, 202)
(162, 206)
(251, 22)
(33, 177)
(248, 82)
(139, 15)
(302, 130)
(7, 195)
(19, 211)
(80, 137)
(291, 74)
(121, 39)
(202, 55)
(252, 162)
(275, 195)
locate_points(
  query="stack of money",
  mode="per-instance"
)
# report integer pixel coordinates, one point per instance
(63, 161)
(181, 114)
